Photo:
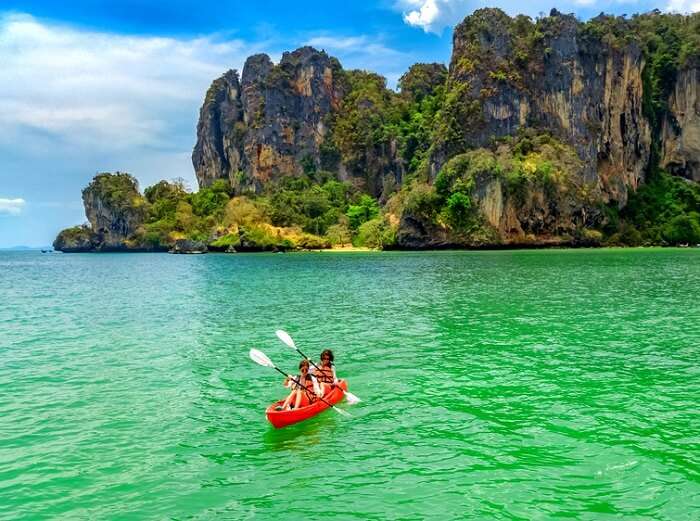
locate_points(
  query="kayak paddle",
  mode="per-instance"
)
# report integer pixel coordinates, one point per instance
(286, 339)
(261, 358)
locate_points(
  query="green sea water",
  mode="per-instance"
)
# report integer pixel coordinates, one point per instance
(495, 385)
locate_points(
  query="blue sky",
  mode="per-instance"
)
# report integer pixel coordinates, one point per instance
(92, 86)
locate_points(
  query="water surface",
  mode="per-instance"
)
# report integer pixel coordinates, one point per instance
(503, 385)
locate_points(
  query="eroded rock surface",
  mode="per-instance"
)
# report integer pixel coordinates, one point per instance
(587, 93)
(269, 125)
(114, 208)
(681, 129)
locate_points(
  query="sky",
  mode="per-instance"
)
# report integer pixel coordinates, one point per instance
(92, 86)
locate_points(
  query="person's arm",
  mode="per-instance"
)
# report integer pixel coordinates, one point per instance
(335, 378)
(288, 382)
(317, 388)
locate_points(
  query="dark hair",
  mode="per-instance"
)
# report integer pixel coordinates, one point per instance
(329, 353)
(303, 362)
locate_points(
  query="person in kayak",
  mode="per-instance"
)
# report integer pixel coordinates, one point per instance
(301, 394)
(325, 371)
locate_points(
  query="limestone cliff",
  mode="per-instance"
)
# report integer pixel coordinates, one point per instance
(115, 211)
(217, 154)
(527, 191)
(114, 207)
(540, 132)
(602, 89)
(681, 128)
(77, 239)
(269, 125)
(507, 75)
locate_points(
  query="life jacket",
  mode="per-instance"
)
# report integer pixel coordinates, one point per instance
(308, 387)
(324, 374)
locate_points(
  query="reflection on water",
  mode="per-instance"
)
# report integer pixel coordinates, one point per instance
(299, 437)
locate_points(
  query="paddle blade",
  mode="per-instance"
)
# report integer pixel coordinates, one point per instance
(284, 337)
(260, 358)
(351, 398)
(341, 411)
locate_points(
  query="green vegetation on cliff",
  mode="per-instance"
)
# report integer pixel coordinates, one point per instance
(526, 173)
(377, 130)
(310, 212)
(540, 132)
(300, 214)
(119, 191)
(665, 210)
(77, 238)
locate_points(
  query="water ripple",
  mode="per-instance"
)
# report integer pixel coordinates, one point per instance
(504, 385)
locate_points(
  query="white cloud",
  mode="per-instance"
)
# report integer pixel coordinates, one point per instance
(434, 15)
(11, 206)
(71, 92)
(104, 91)
(425, 15)
(683, 6)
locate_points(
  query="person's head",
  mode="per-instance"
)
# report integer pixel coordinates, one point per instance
(304, 366)
(327, 357)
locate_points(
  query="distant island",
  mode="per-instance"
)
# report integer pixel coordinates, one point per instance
(547, 132)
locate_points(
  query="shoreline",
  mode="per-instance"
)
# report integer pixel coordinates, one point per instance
(358, 249)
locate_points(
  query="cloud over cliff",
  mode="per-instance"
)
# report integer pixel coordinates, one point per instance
(86, 88)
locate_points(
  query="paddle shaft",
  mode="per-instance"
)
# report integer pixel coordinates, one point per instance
(312, 363)
(285, 338)
(302, 385)
(307, 358)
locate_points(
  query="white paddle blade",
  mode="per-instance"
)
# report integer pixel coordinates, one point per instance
(284, 337)
(260, 358)
(341, 411)
(351, 398)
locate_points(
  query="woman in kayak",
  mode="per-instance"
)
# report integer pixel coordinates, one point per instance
(325, 371)
(301, 394)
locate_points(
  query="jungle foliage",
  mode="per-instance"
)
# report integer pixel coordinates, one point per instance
(395, 136)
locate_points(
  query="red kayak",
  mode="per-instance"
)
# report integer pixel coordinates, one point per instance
(281, 419)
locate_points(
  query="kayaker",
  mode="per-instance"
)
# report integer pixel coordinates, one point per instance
(325, 372)
(301, 394)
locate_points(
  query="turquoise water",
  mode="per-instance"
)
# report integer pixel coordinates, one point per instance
(503, 385)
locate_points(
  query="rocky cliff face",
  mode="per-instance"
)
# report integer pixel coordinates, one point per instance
(681, 128)
(270, 125)
(78, 239)
(527, 191)
(582, 84)
(507, 75)
(114, 208)
(217, 154)
(115, 211)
